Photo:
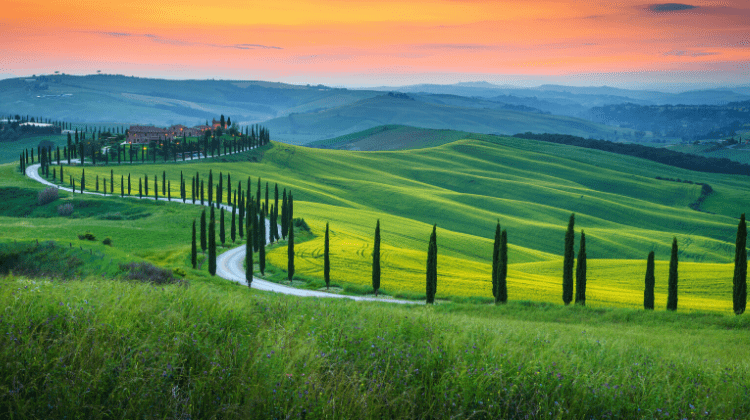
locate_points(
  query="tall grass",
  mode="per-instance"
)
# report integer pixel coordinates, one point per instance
(93, 349)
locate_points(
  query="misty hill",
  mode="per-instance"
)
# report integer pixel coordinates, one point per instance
(391, 137)
(405, 110)
(113, 98)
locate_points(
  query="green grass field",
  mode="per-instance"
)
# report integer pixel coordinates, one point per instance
(531, 187)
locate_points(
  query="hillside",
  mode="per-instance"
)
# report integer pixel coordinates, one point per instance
(112, 98)
(531, 187)
(404, 110)
(391, 137)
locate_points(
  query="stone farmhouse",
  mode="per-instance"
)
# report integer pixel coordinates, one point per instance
(142, 134)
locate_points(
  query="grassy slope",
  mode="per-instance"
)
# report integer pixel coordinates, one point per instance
(95, 349)
(391, 137)
(383, 110)
(531, 187)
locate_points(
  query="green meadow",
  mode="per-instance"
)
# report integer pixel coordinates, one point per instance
(465, 187)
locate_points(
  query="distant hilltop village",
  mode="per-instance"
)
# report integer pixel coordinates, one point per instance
(138, 134)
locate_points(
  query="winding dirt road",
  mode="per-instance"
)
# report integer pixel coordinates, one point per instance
(229, 265)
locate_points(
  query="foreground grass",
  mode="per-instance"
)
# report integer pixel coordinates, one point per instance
(104, 349)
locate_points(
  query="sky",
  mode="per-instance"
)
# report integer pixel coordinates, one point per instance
(626, 43)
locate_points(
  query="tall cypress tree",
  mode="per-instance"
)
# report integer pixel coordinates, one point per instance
(257, 197)
(267, 196)
(220, 190)
(284, 227)
(581, 272)
(495, 259)
(569, 258)
(648, 291)
(140, 188)
(222, 234)
(262, 248)
(122, 184)
(202, 191)
(129, 184)
(210, 188)
(204, 243)
(249, 255)
(502, 270)
(194, 249)
(145, 185)
(290, 253)
(672, 291)
(112, 181)
(164, 182)
(212, 244)
(376, 260)
(241, 220)
(276, 208)
(739, 286)
(431, 278)
(156, 188)
(233, 229)
(326, 261)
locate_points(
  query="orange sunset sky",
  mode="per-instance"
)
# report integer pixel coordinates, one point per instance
(628, 42)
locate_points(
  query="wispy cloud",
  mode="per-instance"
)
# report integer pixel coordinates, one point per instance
(670, 7)
(172, 41)
(685, 53)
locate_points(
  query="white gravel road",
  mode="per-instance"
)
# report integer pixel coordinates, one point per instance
(229, 265)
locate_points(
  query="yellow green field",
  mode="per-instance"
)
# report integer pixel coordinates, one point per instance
(466, 186)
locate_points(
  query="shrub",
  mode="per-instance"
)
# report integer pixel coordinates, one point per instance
(301, 224)
(107, 241)
(179, 272)
(47, 196)
(87, 236)
(149, 273)
(65, 209)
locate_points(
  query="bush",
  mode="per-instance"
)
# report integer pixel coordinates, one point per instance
(149, 273)
(301, 224)
(47, 196)
(65, 209)
(87, 236)
(107, 241)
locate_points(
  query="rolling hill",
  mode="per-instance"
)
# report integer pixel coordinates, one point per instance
(532, 187)
(405, 110)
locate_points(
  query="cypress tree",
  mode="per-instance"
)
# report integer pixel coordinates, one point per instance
(105, 186)
(202, 191)
(229, 189)
(495, 259)
(276, 207)
(210, 188)
(739, 284)
(241, 214)
(145, 185)
(96, 185)
(83, 180)
(290, 253)
(257, 197)
(220, 190)
(672, 292)
(204, 244)
(267, 195)
(194, 249)
(262, 249)
(502, 270)
(376, 260)
(129, 184)
(156, 188)
(568, 262)
(163, 181)
(431, 279)
(140, 188)
(249, 256)
(122, 185)
(111, 181)
(326, 261)
(222, 235)
(169, 190)
(581, 272)
(212, 244)
(284, 227)
(648, 291)
(233, 228)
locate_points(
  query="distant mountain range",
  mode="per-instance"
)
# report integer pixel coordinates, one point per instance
(300, 114)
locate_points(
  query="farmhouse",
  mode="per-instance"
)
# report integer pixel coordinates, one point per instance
(148, 133)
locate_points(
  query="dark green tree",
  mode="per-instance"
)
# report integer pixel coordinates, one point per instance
(581, 272)
(222, 234)
(210, 188)
(163, 182)
(156, 188)
(672, 288)
(376, 260)
(212, 244)
(267, 196)
(326, 261)
(495, 259)
(290, 253)
(233, 229)
(502, 270)
(739, 286)
(648, 291)
(431, 278)
(194, 249)
(262, 248)
(111, 181)
(249, 255)
(284, 227)
(204, 242)
(145, 185)
(129, 184)
(140, 188)
(122, 184)
(569, 258)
